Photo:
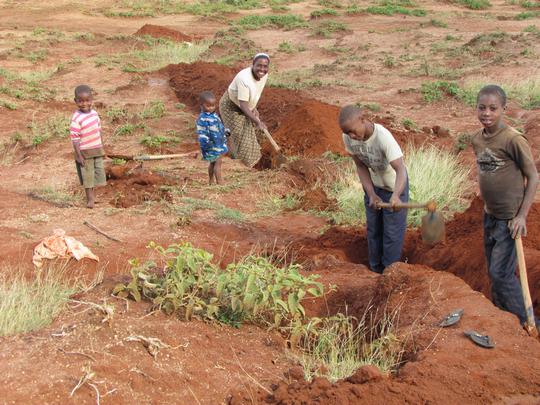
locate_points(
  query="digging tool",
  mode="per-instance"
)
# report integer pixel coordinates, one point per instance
(432, 222)
(151, 157)
(530, 327)
(278, 159)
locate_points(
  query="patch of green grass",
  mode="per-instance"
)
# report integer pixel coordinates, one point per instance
(8, 105)
(52, 128)
(128, 129)
(335, 347)
(391, 7)
(283, 21)
(155, 109)
(323, 13)
(162, 54)
(409, 124)
(330, 3)
(154, 141)
(474, 4)
(56, 197)
(375, 107)
(213, 7)
(527, 15)
(30, 303)
(289, 47)
(272, 204)
(463, 140)
(229, 215)
(434, 91)
(328, 27)
(27, 85)
(389, 61)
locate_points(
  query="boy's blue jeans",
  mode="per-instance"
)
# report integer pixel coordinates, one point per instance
(385, 231)
(502, 261)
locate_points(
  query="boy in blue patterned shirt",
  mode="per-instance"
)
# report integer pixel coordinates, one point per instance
(212, 136)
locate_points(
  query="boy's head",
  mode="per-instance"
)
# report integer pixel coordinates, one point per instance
(490, 106)
(352, 122)
(208, 101)
(83, 98)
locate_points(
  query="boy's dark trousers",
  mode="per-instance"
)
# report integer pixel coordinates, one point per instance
(502, 261)
(385, 231)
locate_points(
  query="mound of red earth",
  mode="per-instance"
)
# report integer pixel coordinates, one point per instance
(463, 251)
(128, 186)
(306, 177)
(310, 130)
(441, 366)
(157, 31)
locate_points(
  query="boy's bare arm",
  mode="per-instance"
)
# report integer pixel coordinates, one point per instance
(367, 184)
(79, 158)
(401, 179)
(518, 225)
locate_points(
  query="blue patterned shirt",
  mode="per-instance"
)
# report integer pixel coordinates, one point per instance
(212, 137)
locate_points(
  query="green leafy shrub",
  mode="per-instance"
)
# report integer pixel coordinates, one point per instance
(190, 285)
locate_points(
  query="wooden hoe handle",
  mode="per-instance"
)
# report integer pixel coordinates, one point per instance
(269, 137)
(531, 324)
(431, 206)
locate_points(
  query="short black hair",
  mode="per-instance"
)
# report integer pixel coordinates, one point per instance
(83, 88)
(348, 112)
(206, 96)
(492, 89)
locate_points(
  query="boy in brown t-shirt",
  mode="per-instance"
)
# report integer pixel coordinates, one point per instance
(508, 181)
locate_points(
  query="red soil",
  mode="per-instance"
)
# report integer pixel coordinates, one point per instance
(310, 130)
(434, 371)
(463, 251)
(300, 125)
(189, 80)
(128, 186)
(157, 31)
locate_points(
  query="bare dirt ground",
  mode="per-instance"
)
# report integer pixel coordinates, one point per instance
(377, 60)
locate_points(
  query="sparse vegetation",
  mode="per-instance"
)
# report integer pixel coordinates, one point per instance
(434, 91)
(328, 27)
(474, 4)
(323, 13)
(57, 197)
(29, 303)
(391, 7)
(283, 21)
(336, 347)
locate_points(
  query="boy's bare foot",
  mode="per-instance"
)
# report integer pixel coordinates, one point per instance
(90, 204)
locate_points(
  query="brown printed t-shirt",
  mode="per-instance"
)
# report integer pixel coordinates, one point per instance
(500, 158)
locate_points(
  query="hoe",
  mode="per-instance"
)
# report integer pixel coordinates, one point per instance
(432, 222)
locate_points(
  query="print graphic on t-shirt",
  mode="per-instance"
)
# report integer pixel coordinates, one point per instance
(488, 161)
(372, 157)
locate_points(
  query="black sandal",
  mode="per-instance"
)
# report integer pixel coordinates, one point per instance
(451, 319)
(480, 340)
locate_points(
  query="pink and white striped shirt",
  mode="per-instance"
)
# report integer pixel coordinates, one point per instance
(85, 130)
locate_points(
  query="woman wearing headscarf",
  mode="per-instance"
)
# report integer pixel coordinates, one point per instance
(238, 109)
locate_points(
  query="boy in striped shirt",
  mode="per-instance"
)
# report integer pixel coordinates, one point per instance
(85, 132)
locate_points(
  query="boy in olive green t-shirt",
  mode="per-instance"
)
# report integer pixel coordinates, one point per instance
(508, 180)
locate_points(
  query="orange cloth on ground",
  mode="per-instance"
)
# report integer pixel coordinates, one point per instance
(60, 245)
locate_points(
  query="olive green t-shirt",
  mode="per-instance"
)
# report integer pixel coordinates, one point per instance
(501, 158)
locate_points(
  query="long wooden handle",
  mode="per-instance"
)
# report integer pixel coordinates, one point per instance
(531, 324)
(272, 142)
(402, 205)
(161, 157)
